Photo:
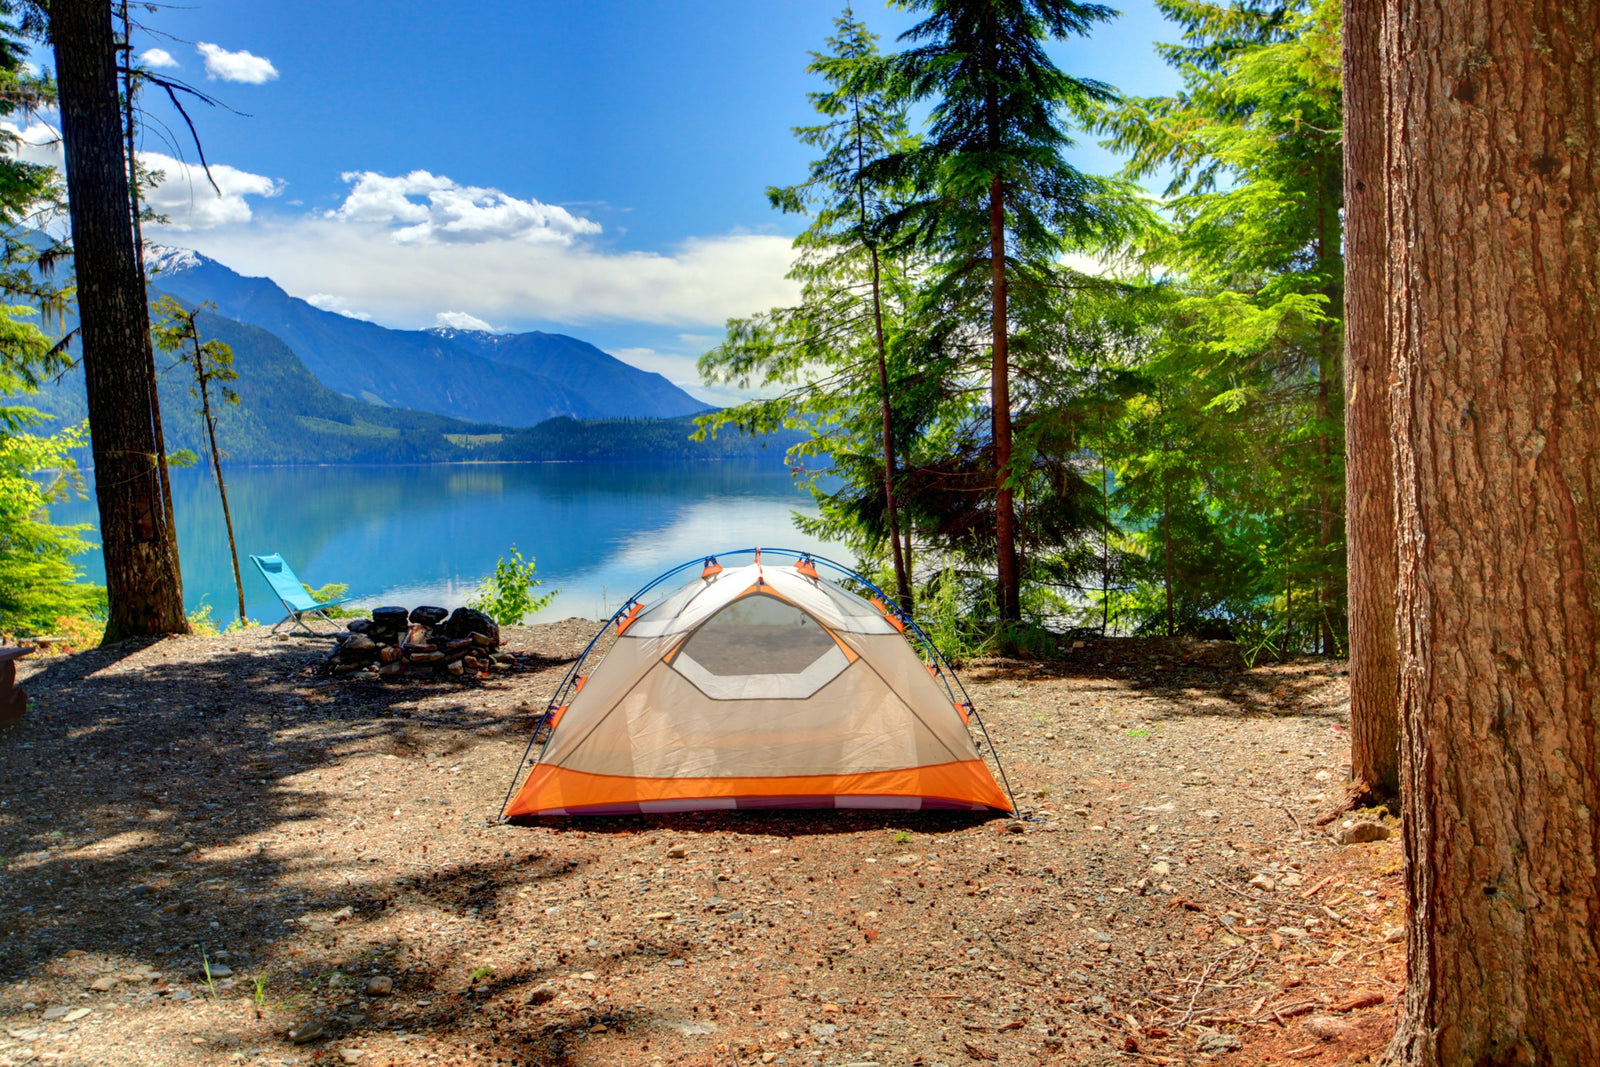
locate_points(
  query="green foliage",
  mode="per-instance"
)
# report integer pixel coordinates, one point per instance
(506, 595)
(824, 363)
(209, 363)
(333, 591)
(1229, 458)
(38, 582)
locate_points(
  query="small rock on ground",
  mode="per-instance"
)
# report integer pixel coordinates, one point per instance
(1352, 832)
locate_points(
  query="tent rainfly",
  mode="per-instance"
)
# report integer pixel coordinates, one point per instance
(759, 686)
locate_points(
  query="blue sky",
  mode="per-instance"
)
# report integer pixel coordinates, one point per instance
(593, 168)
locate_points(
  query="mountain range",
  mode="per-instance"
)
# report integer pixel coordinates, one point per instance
(488, 397)
(512, 380)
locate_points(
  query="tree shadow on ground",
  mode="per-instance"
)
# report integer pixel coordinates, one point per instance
(1193, 677)
(146, 819)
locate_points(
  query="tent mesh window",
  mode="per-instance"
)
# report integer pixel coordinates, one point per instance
(795, 653)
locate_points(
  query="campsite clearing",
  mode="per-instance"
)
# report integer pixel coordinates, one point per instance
(325, 848)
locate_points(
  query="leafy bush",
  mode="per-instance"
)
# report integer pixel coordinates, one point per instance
(505, 596)
(333, 591)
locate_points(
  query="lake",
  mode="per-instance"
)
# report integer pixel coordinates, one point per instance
(427, 534)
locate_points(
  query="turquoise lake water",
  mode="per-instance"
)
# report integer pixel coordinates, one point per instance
(424, 534)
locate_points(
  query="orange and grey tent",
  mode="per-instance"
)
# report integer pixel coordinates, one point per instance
(761, 686)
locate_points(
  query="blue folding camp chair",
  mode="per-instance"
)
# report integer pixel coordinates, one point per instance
(293, 594)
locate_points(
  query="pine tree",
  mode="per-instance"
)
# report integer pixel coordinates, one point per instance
(211, 364)
(1495, 269)
(1253, 361)
(1369, 478)
(996, 202)
(832, 354)
(38, 580)
(144, 587)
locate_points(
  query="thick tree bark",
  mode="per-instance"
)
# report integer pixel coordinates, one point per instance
(1495, 120)
(1009, 585)
(144, 591)
(1369, 455)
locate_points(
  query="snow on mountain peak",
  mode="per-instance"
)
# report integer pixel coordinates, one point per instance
(167, 259)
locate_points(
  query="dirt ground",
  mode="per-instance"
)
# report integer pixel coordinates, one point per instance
(328, 849)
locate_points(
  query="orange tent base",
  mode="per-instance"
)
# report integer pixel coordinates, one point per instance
(963, 785)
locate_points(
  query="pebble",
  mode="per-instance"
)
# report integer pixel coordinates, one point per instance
(1263, 881)
(1328, 1027)
(54, 1013)
(1351, 832)
(1218, 1043)
(380, 985)
(218, 970)
(1161, 868)
(1395, 934)
(677, 852)
(104, 985)
(1016, 826)
(307, 1033)
(351, 1055)
(543, 993)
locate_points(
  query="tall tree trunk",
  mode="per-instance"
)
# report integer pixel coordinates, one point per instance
(143, 588)
(1369, 455)
(1166, 549)
(1105, 532)
(1495, 120)
(1005, 520)
(129, 89)
(203, 383)
(902, 578)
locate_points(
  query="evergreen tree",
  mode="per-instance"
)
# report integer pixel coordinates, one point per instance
(832, 356)
(144, 587)
(1249, 380)
(996, 203)
(38, 581)
(211, 364)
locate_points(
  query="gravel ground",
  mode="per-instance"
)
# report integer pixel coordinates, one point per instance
(328, 849)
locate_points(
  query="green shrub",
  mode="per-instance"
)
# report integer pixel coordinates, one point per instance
(506, 595)
(333, 591)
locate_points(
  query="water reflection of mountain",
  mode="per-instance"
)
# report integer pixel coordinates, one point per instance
(592, 527)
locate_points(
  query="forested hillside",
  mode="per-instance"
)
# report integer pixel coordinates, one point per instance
(285, 415)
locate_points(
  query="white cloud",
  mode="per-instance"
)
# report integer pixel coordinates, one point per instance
(38, 142)
(460, 320)
(336, 304)
(158, 57)
(700, 283)
(240, 66)
(453, 213)
(184, 194)
(188, 200)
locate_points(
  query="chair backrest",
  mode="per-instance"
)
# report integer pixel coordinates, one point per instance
(283, 581)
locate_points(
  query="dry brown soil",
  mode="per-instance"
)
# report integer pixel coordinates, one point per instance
(210, 800)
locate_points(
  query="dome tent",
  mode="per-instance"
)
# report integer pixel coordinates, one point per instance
(761, 686)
